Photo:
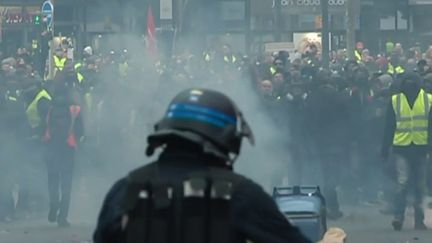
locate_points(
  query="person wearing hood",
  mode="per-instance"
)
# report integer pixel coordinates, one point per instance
(423, 68)
(299, 143)
(327, 114)
(406, 134)
(64, 130)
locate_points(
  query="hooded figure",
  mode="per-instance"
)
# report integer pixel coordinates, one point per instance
(64, 127)
(410, 86)
(326, 116)
(407, 132)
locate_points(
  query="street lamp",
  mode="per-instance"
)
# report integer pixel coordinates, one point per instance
(325, 34)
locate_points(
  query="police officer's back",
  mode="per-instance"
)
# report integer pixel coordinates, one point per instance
(190, 194)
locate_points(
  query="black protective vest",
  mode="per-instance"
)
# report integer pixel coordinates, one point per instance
(193, 209)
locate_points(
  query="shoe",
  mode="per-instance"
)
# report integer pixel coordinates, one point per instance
(397, 224)
(420, 226)
(63, 223)
(52, 215)
(334, 215)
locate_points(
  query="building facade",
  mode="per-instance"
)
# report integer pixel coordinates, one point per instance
(245, 24)
(22, 23)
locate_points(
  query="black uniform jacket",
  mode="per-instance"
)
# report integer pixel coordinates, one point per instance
(256, 216)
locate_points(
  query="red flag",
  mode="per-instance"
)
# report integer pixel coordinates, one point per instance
(151, 32)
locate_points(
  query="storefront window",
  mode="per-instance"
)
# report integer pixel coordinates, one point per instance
(18, 15)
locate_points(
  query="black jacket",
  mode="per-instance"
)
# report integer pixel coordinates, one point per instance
(59, 123)
(256, 216)
(328, 115)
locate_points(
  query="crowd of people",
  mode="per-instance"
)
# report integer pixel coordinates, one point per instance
(337, 116)
(41, 113)
(332, 116)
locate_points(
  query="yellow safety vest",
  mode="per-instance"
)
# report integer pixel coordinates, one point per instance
(207, 57)
(358, 55)
(32, 109)
(273, 70)
(231, 59)
(35, 44)
(411, 124)
(399, 69)
(392, 70)
(80, 77)
(59, 63)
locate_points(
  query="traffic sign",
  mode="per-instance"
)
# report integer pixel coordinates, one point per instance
(47, 7)
(48, 13)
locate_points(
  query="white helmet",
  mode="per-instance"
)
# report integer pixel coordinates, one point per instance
(88, 50)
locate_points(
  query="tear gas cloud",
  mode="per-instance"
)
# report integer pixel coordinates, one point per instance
(131, 108)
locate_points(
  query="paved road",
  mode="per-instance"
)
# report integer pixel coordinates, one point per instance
(366, 225)
(362, 224)
(40, 231)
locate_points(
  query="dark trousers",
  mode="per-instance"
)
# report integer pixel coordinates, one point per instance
(411, 172)
(367, 176)
(60, 164)
(331, 162)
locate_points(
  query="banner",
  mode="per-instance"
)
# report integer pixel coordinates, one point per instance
(151, 32)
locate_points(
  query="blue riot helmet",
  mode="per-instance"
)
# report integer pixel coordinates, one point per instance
(206, 118)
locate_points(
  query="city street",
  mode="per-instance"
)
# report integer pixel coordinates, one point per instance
(146, 104)
(363, 224)
(39, 231)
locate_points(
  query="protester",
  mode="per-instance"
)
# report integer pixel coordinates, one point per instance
(291, 91)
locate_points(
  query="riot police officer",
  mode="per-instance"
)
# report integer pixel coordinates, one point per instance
(190, 194)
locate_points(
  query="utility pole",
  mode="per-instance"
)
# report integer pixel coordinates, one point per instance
(84, 25)
(277, 20)
(51, 68)
(179, 6)
(350, 33)
(325, 34)
(248, 26)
